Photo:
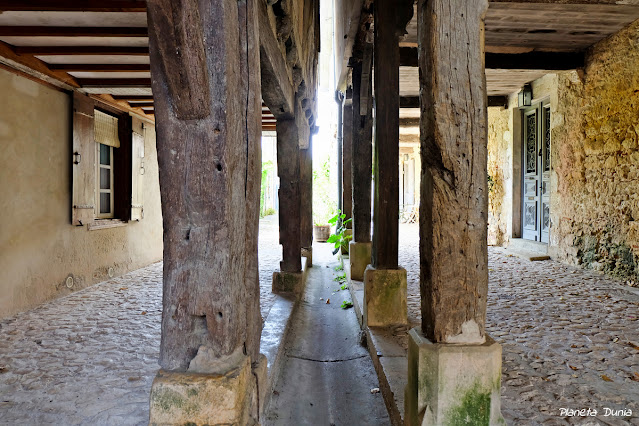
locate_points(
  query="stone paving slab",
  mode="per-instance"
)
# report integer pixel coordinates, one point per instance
(90, 357)
(570, 337)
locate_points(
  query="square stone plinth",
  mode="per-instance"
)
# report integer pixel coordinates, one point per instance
(360, 258)
(307, 252)
(450, 384)
(384, 297)
(199, 399)
(288, 282)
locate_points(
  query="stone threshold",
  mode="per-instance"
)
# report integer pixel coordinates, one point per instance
(532, 256)
(387, 347)
(275, 331)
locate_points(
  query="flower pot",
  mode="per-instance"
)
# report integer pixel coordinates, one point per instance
(321, 233)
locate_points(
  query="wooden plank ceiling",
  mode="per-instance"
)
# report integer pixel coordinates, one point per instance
(530, 38)
(101, 46)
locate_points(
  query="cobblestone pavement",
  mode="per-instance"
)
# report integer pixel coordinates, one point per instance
(570, 337)
(90, 357)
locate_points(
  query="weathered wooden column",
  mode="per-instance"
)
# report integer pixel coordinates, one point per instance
(347, 144)
(306, 199)
(206, 115)
(290, 277)
(453, 217)
(384, 281)
(361, 167)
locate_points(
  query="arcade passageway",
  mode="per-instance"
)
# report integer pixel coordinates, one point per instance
(90, 358)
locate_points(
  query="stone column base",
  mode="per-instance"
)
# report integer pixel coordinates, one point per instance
(287, 282)
(451, 384)
(360, 258)
(194, 398)
(385, 297)
(307, 252)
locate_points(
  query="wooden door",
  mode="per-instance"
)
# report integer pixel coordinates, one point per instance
(536, 170)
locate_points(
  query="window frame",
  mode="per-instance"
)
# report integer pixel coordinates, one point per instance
(98, 177)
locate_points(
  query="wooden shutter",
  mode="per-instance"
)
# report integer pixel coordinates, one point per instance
(137, 169)
(83, 161)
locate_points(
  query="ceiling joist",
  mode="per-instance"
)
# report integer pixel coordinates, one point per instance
(73, 6)
(101, 67)
(551, 61)
(45, 31)
(82, 50)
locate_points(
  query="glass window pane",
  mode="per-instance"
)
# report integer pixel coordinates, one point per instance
(105, 202)
(105, 178)
(105, 154)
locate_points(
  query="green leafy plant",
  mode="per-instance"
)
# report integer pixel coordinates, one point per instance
(346, 304)
(340, 238)
(338, 268)
(344, 286)
(324, 204)
(340, 278)
(267, 168)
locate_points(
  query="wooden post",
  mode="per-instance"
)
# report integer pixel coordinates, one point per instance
(453, 213)
(204, 102)
(288, 169)
(249, 31)
(347, 139)
(306, 196)
(361, 161)
(386, 205)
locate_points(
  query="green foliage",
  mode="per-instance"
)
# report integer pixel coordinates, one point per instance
(338, 268)
(346, 304)
(267, 168)
(324, 206)
(340, 239)
(344, 286)
(340, 278)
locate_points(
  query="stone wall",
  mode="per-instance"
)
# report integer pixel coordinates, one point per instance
(594, 155)
(499, 174)
(595, 213)
(39, 248)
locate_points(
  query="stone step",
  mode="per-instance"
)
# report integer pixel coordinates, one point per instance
(521, 244)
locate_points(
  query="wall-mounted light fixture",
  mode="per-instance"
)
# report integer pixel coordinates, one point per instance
(524, 98)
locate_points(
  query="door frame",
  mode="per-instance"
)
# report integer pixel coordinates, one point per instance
(541, 106)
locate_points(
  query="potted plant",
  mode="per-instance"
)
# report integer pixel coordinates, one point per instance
(324, 206)
(321, 225)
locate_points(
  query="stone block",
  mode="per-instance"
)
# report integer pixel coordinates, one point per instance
(288, 282)
(451, 384)
(360, 258)
(192, 398)
(307, 252)
(385, 297)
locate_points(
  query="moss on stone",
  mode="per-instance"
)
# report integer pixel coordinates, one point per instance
(168, 400)
(474, 408)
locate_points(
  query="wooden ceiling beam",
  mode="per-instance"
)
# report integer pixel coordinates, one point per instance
(141, 104)
(551, 61)
(114, 82)
(413, 101)
(73, 6)
(35, 65)
(101, 67)
(44, 31)
(81, 50)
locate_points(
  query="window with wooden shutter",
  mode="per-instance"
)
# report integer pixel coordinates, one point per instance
(108, 164)
(83, 161)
